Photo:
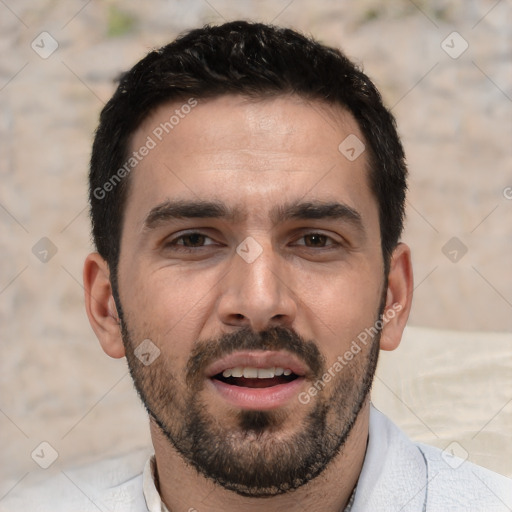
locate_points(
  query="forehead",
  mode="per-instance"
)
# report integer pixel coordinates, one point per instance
(252, 154)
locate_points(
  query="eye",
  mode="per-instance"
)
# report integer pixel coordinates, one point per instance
(317, 240)
(189, 241)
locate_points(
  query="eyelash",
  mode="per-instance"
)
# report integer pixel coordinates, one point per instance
(181, 247)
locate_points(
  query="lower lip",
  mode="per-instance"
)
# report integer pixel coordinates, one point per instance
(260, 399)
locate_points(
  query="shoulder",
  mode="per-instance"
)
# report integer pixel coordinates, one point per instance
(457, 484)
(113, 484)
(401, 475)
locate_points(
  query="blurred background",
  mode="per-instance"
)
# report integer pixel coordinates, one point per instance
(443, 68)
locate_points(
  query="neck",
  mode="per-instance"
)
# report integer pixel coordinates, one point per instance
(183, 488)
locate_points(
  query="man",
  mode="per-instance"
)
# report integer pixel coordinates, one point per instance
(247, 192)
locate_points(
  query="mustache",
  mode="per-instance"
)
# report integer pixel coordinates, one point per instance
(275, 338)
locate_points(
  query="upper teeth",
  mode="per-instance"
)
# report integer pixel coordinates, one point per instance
(255, 373)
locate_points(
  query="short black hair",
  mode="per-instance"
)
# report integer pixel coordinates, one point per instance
(257, 61)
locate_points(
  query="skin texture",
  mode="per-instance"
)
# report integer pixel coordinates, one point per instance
(322, 291)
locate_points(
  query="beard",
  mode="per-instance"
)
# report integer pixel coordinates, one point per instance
(252, 456)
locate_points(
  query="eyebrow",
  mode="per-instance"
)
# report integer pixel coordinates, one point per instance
(317, 210)
(180, 209)
(297, 210)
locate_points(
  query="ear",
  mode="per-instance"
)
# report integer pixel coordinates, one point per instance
(100, 305)
(398, 298)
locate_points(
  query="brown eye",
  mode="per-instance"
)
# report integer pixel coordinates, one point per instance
(315, 240)
(193, 240)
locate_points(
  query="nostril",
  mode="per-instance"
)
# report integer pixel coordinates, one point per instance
(279, 320)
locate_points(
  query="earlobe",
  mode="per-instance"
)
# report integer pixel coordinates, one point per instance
(100, 305)
(398, 297)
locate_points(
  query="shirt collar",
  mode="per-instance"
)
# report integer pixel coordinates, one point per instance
(151, 494)
(394, 472)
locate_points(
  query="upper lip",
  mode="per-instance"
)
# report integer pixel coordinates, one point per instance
(258, 359)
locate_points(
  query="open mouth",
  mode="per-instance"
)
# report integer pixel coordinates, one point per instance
(250, 377)
(257, 380)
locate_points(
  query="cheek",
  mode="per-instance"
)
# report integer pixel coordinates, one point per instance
(169, 307)
(340, 308)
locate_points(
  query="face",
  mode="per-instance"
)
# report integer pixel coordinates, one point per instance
(251, 259)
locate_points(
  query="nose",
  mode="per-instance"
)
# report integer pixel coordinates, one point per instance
(257, 294)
